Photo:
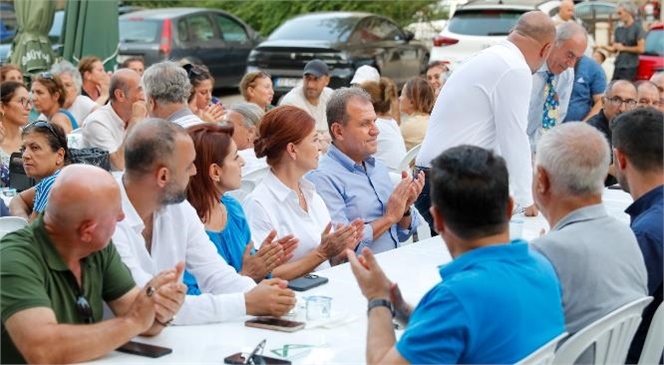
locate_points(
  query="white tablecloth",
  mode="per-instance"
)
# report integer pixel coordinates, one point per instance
(414, 267)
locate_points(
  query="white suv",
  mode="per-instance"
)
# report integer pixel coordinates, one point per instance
(475, 26)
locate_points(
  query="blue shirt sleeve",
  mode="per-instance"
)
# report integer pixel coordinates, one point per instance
(42, 191)
(437, 331)
(598, 80)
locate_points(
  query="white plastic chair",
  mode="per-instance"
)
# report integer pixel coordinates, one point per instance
(543, 355)
(404, 165)
(11, 224)
(256, 176)
(244, 190)
(653, 347)
(75, 138)
(611, 335)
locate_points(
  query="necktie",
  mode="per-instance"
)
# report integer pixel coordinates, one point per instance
(550, 109)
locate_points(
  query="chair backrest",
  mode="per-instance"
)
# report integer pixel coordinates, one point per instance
(404, 165)
(75, 138)
(244, 190)
(611, 335)
(653, 347)
(257, 175)
(545, 354)
(11, 224)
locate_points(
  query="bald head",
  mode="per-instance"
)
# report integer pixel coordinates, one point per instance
(78, 193)
(123, 79)
(537, 26)
(150, 143)
(566, 10)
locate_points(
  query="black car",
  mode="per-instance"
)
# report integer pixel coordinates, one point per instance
(211, 37)
(343, 40)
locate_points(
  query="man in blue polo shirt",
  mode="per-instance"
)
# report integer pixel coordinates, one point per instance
(638, 146)
(498, 301)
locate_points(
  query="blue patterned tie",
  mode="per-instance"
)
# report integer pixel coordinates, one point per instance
(551, 103)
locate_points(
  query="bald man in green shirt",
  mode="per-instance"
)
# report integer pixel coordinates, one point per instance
(57, 272)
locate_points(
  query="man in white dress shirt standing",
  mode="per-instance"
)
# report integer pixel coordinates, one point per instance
(161, 229)
(553, 82)
(485, 103)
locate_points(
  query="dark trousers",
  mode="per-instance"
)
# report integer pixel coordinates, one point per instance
(423, 202)
(628, 74)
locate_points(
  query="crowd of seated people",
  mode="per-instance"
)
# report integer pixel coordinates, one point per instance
(184, 251)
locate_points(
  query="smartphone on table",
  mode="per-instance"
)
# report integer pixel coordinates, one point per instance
(276, 324)
(144, 349)
(306, 282)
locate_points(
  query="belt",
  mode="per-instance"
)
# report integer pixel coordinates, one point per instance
(417, 170)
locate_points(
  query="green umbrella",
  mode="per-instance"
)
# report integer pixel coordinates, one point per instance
(31, 49)
(91, 29)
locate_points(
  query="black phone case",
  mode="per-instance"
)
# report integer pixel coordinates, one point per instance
(144, 349)
(238, 358)
(307, 282)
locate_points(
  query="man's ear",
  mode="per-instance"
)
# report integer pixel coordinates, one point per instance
(510, 208)
(620, 159)
(542, 182)
(86, 230)
(163, 176)
(438, 221)
(544, 52)
(337, 131)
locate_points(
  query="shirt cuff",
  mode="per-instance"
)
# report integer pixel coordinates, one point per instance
(211, 308)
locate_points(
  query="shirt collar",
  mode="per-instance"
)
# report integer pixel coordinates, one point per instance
(51, 254)
(131, 215)
(179, 114)
(582, 214)
(514, 251)
(282, 192)
(336, 154)
(647, 200)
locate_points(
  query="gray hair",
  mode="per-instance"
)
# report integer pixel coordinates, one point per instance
(65, 67)
(250, 112)
(336, 106)
(576, 157)
(629, 7)
(568, 30)
(166, 82)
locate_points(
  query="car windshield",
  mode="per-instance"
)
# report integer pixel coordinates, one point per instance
(654, 42)
(486, 22)
(139, 30)
(315, 28)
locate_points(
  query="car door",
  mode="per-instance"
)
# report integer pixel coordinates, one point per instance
(402, 60)
(201, 42)
(237, 45)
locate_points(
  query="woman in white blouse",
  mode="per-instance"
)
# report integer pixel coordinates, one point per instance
(286, 202)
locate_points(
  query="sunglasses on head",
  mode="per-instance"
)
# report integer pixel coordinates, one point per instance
(46, 75)
(43, 124)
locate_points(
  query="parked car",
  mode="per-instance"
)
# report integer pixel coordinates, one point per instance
(211, 37)
(652, 60)
(475, 26)
(344, 41)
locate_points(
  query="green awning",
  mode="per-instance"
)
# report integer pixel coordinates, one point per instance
(91, 29)
(31, 48)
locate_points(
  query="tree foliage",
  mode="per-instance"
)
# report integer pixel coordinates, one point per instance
(266, 15)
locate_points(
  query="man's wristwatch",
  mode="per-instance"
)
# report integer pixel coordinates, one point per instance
(380, 303)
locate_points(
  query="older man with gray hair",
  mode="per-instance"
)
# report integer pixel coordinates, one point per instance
(628, 42)
(553, 82)
(596, 256)
(245, 117)
(167, 89)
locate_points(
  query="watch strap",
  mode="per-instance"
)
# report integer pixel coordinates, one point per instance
(380, 303)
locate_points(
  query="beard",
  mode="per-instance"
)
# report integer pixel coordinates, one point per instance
(173, 194)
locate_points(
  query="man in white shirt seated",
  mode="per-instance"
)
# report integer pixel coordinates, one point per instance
(161, 228)
(312, 95)
(167, 89)
(106, 127)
